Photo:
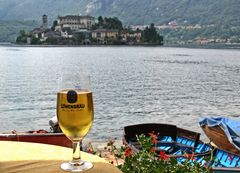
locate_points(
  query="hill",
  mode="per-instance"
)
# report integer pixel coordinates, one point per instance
(9, 30)
(224, 12)
(218, 13)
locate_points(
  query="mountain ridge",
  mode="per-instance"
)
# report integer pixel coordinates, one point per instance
(134, 12)
(221, 15)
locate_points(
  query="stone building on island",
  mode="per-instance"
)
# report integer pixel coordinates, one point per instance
(39, 32)
(101, 35)
(75, 22)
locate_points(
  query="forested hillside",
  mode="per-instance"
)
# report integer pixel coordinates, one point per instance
(224, 12)
(9, 30)
(219, 13)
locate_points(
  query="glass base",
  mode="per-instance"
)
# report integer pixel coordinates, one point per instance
(76, 167)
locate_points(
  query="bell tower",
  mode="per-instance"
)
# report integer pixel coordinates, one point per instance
(44, 21)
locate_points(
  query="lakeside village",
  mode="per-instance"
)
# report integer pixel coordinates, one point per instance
(87, 30)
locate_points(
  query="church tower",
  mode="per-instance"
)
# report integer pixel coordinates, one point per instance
(44, 21)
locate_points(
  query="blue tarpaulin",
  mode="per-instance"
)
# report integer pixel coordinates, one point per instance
(230, 127)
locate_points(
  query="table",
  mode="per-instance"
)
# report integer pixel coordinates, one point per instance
(24, 157)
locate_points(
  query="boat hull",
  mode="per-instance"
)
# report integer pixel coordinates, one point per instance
(226, 170)
(46, 138)
(218, 138)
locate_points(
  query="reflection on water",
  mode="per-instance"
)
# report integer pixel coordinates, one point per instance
(130, 85)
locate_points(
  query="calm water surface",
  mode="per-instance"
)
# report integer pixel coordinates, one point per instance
(130, 85)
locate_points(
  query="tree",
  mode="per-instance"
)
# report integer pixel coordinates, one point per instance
(52, 40)
(22, 38)
(55, 23)
(150, 35)
(100, 20)
(108, 23)
(22, 33)
(79, 37)
(161, 40)
(35, 40)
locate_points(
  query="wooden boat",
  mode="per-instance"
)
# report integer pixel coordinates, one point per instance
(226, 170)
(218, 137)
(170, 135)
(40, 136)
(177, 141)
(55, 137)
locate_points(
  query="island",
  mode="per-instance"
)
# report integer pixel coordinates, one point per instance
(87, 30)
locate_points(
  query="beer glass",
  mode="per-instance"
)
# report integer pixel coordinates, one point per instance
(75, 116)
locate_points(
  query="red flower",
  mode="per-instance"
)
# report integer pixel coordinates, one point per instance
(163, 156)
(206, 166)
(191, 156)
(152, 150)
(128, 152)
(154, 137)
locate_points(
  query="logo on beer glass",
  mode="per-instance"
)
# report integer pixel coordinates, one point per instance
(72, 97)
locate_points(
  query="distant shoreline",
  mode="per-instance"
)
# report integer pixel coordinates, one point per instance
(207, 46)
(80, 45)
(195, 46)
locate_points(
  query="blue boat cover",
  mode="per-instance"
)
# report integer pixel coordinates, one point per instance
(230, 127)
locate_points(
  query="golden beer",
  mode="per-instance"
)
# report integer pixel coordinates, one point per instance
(75, 112)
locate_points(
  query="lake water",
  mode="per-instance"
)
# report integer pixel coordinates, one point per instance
(130, 85)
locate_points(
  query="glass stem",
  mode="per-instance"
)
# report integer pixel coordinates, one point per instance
(76, 160)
